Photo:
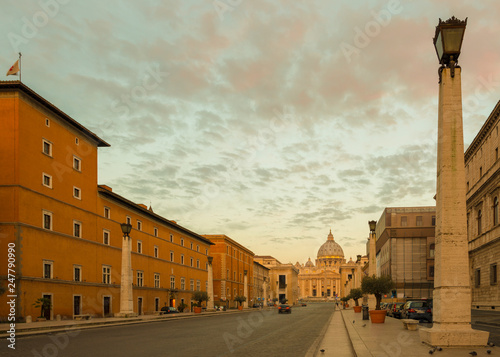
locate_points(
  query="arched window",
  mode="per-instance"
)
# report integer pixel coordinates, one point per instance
(495, 211)
(479, 216)
(432, 250)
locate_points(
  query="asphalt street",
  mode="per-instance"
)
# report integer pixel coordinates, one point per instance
(253, 333)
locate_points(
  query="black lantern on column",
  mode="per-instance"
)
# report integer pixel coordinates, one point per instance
(448, 41)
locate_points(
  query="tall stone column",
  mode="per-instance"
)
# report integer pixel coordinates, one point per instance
(452, 293)
(210, 288)
(245, 288)
(372, 267)
(126, 294)
(264, 287)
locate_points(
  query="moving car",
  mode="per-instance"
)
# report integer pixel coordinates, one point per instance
(394, 309)
(417, 310)
(169, 310)
(284, 309)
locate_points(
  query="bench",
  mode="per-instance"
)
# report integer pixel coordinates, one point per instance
(410, 324)
(82, 317)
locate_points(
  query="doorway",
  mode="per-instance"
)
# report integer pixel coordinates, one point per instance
(106, 303)
(77, 301)
(139, 306)
(48, 312)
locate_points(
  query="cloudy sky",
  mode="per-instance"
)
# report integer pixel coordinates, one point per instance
(270, 121)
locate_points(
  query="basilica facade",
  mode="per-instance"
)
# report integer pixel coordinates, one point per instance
(330, 277)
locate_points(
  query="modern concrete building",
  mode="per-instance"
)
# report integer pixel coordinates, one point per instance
(283, 279)
(482, 171)
(65, 229)
(330, 276)
(405, 249)
(231, 261)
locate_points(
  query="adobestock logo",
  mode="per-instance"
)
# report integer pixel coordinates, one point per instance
(363, 37)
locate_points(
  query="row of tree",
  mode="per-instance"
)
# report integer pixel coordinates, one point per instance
(377, 286)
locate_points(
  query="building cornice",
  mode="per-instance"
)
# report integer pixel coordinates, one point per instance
(478, 140)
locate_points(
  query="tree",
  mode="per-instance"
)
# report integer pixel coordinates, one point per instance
(44, 305)
(199, 297)
(377, 286)
(356, 294)
(241, 299)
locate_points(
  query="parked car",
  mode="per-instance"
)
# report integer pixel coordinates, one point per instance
(417, 310)
(284, 309)
(394, 309)
(169, 310)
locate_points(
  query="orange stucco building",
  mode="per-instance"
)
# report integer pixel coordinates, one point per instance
(231, 260)
(65, 228)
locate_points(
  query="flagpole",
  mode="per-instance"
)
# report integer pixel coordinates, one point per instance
(20, 67)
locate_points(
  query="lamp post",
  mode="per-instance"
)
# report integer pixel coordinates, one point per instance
(452, 293)
(245, 288)
(210, 292)
(372, 261)
(126, 296)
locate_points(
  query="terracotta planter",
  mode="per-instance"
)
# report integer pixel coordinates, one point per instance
(240, 307)
(357, 309)
(197, 310)
(377, 316)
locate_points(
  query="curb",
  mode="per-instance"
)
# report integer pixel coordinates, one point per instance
(358, 346)
(494, 324)
(100, 324)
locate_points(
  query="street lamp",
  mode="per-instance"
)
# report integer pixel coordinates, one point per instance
(448, 42)
(372, 225)
(126, 228)
(452, 291)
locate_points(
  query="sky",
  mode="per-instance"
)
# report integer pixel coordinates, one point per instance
(270, 121)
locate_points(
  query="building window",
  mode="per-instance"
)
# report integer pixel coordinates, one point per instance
(182, 259)
(477, 275)
(182, 242)
(479, 218)
(47, 147)
(433, 221)
(431, 271)
(191, 262)
(47, 123)
(47, 269)
(77, 193)
(493, 274)
(155, 231)
(106, 274)
(77, 273)
(198, 285)
(140, 278)
(47, 220)
(139, 247)
(171, 237)
(171, 256)
(129, 220)
(47, 180)
(227, 274)
(77, 229)
(198, 263)
(157, 280)
(206, 251)
(191, 285)
(107, 212)
(139, 225)
(191, 245)
(105, 237)
(432, 250)
(197, 248)
(183, 284)
(404, 221)
(172, 282)
(77, 141)
(77, 163)
(156, 250)
(495, 211)
(419, 221)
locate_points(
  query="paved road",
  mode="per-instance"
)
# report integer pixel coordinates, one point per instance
(255, 333)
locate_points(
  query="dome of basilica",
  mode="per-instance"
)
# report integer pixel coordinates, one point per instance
(309, 263)
(330, 249)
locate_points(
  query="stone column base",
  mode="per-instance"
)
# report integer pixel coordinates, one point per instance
(126, 314)
(453, 338)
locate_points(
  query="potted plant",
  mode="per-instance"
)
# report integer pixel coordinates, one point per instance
(199, 297)
(356, 294)
(377, 286)
(241, 299)
(44, 305)
(344, 300)
(182, 307)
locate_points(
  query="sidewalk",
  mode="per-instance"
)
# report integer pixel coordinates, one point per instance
(36, 328)
(390, 339)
